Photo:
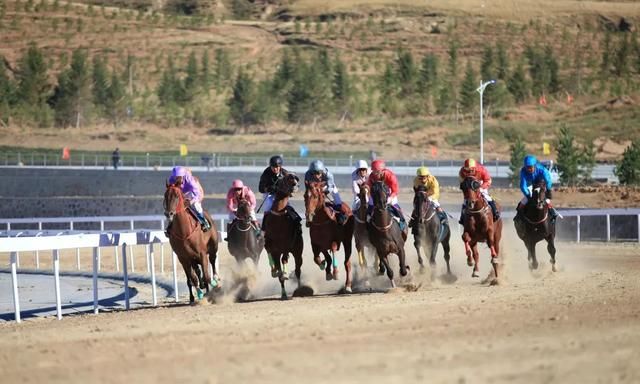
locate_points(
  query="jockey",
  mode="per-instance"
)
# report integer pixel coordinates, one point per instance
(271, 175)
(480, 173)
(318, 172)
(530, 174)
(425, 179)
(379, 172)
(358, 178)
(192, 191)
(237, 192)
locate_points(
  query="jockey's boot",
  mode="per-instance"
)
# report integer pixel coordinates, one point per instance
(443, 216)
(341, 218)
(256, 227)
(412, 222)
(553, 213)
(203, 222)
(494, 210)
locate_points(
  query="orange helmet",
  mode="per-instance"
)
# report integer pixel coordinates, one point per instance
(377, 165)
(470, 165)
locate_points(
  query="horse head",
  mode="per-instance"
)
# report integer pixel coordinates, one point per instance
(538, 193)
(379, 194)
(244, 209)
(470, 187)
(314, 198)
(287, 186)
(173, 200)
(420, 202)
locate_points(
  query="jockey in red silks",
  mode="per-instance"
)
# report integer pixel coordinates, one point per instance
(480, 173)
(379, 172)
(192, 191)
(240, 191)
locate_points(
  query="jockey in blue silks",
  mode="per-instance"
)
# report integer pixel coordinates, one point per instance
(530, 174)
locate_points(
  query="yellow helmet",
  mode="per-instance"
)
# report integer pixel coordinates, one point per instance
(422, 171)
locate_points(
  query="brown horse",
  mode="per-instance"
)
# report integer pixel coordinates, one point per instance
(428, 231)
(326, 233)
(243, 242)
(189, 243)
(479, 226)
(534, 225)
(384, 231)
(283, 235)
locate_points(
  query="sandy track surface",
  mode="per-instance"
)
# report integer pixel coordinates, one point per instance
(581, 324)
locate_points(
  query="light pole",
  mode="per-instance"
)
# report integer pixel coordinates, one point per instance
(481, 91)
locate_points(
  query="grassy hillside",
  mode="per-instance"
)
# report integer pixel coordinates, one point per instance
(366, 36)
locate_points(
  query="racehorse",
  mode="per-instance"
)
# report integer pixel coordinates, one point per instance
(243, 242)
(479, 226)
(534, 225)
(428, 230)
(326, 233)
(189, 243)
(361, 233)
(282, 234)
(384, 231)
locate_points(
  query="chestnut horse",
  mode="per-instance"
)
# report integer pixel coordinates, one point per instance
(326, 233)
(282, 234)
(384, 231)
(479, 226)
(189, 243)
(428, 230)
(534, 225)
(243, 242)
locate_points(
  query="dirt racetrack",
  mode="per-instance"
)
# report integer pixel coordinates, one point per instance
(581, 324)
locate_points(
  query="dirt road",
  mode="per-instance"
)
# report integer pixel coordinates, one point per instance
(581, 324)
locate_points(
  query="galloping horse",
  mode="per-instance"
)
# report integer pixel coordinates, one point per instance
(535, 225)
(384, 231)
(189, 243)
(428, 230)
(326, 233)
(243, 242)
(361, 233)
(282, 234)
(479, 227)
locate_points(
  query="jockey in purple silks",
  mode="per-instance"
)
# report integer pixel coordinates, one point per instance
(192, 191)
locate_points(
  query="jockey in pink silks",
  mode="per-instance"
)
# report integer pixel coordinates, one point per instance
(192, 191)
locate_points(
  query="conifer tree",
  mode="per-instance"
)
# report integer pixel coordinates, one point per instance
(552, 67)
(487, 72)
(621, 57)
(518, 152)
(100, 87)
(407, 73)
(33, 86)
(191, 84)
(342, 89)
(205, 72)
(71, 99)
(568, 157)
(502, 62)
(428, 80)
(116, 99)
(628, 168)
(7, 88)
(242, 100)
(468, 94)
(517, 84)
(223, 69)
(587, 161)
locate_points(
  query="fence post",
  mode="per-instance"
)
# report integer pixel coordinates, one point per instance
(115, 257)
(147, 257)
(162, 259)
(638, 228)
(154, 294)
(175, 275)
(95, 280)
(14, 283)
(608, 228)
(56, 277)
(99, 258)
(78, 258)
(577, 228)
(125, 276)
(133, 261)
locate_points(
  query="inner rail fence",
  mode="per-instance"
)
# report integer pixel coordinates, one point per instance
(34, 235)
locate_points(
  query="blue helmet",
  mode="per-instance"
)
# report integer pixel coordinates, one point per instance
(530, 161)
(316, 166)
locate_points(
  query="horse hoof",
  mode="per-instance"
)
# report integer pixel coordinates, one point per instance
(554, 268)
(274, 272)
(200, 295)
(328, 276)
(284, 297)
(475, 274)
(494, 282)
(469, 261)
(285, 276)
(348, 289)
(534, 265)
(323, 265)
(422, 269)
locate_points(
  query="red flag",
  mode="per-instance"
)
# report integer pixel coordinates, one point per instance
(543, 100)
(569, 98)
(66, 155)
(434, 151)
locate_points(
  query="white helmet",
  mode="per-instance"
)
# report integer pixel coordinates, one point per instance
(362, 164)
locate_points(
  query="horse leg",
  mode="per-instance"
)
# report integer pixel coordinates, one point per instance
(385, 261)
(322, 264)
(205, 271)
(466, 238)
(404, 269)
(328, 265)
(347, 264)
(285, 266)
(192, 280)
(476, 259)
(418, 245)
(447, 249)
(531, 250)
(212, 250)
(278, 267)
(551, 248)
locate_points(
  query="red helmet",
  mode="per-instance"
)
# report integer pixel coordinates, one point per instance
(470, 165)
(377, 165)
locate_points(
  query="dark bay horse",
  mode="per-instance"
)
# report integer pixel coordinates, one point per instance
(282, 234)
(384, 231)
(534, 225)
(479, 226)
(190, 244)
(361, 232)
(428, 231)
(326, 233)
(243, 242)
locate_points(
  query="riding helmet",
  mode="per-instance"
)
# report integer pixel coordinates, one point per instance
(316, 166)
(422, 171)
(469, 164)
(362, 164)
(530, 161)
(275, 161)
(237, 184)
(377, 165)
